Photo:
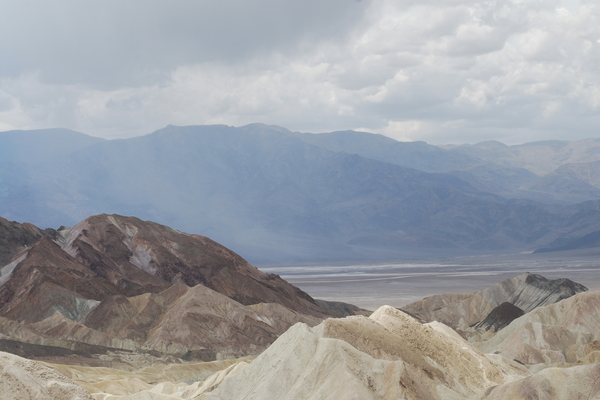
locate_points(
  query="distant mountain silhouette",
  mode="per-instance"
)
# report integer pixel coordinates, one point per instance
(277, 196)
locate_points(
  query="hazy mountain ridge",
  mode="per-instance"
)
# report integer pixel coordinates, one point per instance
(42, 145)
(274, 195)
(485, 175)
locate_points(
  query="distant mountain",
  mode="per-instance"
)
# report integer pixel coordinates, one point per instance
(565, 170)
(484, 175)
(585, 242)
(572, 181)
(277, 196)
(541, 158)
(417, 155)
(42, 145)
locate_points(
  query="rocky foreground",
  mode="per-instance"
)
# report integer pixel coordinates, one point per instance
(389, 355)
(118, 308)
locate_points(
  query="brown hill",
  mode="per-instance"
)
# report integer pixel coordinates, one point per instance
(125, 250)
(119, 282)
(14, 237)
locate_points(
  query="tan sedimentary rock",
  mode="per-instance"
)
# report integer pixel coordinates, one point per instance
(575, 383)
(203, 318)
(387, 356)
(60, 327)
(558, 333)
(22, 379)
(176, 380)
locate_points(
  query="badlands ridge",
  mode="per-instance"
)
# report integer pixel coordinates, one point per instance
(118, 308)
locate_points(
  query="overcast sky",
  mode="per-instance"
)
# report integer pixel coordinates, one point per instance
(443, 71)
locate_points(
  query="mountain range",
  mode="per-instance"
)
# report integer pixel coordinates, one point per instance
(277, 196)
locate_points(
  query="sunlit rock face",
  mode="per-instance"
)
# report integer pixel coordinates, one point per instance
(389, 355)
(580, 382)
(22, 379)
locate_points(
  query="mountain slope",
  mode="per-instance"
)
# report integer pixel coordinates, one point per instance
(15, 236)
(113, 282)
(579, 382)
(126, 247)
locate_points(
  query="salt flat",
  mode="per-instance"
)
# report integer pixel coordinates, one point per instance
(399, 283)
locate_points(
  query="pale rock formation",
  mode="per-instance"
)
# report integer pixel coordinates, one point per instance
(387, 356)
(173, 380)
(559, 333)
(22, 379)
(575, 383)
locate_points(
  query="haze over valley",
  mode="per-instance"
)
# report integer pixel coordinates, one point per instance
(277, 196)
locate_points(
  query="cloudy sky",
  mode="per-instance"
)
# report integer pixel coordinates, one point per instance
(443, 71)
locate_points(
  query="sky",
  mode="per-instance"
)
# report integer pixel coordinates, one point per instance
(442, 71)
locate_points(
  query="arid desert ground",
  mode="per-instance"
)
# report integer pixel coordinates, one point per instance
(399, 283)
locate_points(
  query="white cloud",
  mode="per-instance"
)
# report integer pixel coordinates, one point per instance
(441, 71)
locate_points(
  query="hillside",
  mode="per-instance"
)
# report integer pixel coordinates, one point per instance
(120, 285)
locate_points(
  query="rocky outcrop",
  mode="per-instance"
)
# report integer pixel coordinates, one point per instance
(389, 355)
(526, 291)
(342, 309)
(559, 333)
(15, 236)
(386, 356)
(48, 280)
(133, 253)
(500, 317)
(193, 323)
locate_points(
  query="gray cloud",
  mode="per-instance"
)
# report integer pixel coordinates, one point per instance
(114, 43)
